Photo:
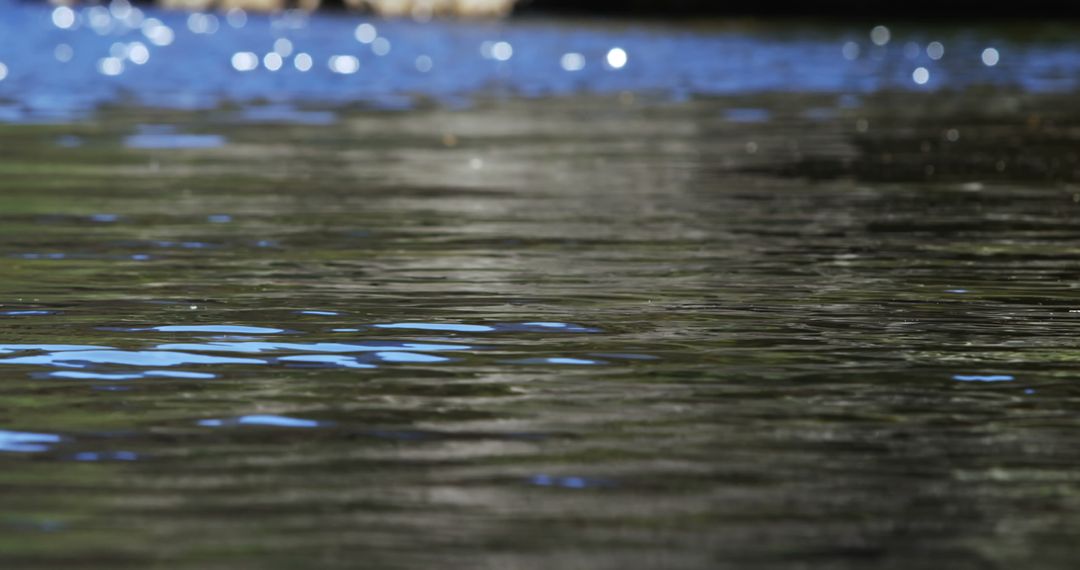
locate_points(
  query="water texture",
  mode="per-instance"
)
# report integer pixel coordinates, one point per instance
(60, 63)
(780, 328)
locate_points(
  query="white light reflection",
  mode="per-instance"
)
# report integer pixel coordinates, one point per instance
(137, 53)
(134, 18)
(380, 47)
(424, 64)
(120, 9)
(63, 17)
(200, 23)
(302, 62)
(273, 61)
(3, 72)
(158, 33)
(616, 58)
(283, 47)
(850, 51)
(572, 61)
(990, 57)
(880, 35)
(110, 66)
(365, 33)
(935, 50)
(236, 17)
(502, 51)
(921, 75)
(344, 64)
(100, 19)
(245, 61)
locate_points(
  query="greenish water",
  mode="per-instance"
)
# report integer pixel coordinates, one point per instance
(775, 331)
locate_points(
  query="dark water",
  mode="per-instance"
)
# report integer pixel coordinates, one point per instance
(815, 318)
(584, 333)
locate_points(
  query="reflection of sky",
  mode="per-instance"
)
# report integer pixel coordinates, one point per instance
(58, 62)
(106, 363)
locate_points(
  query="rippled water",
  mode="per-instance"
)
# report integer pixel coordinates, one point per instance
(59, 63)
(816, 318)
(592, 332)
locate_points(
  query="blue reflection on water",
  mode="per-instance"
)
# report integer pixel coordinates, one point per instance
(983, 377)
(78, 358)
(545, 327)
(9, 348)
(227, 329)
(54, 74)
(80, 375)
(26, 442)
(558, 360)
(173, 141)
(262, 420)
(437, 327)
(569, 482)
(329, 359)
(255, 347)
(395, 356)
(105, 456)
(746, 115)
(536, 326)
(111, 364)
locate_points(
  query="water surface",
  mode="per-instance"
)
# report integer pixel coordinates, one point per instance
(613, 328)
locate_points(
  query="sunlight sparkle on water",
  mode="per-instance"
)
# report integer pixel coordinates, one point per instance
(236, 17)
(423, 63)
(138, 53)
(381, 46)
(245, 61)
(502, 51)
(344, 64)
(921, 75)
(935, 50)
(200, 23)
(158, 33)
(365, 33)
(63, 17)
(572, 61)
(880, 35)
(110, 66)
(850, 51)
(272, 61)
(283, 47)
(616, 58)
(302, 62)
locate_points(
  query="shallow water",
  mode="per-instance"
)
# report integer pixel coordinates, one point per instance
(588, 332)
(669, 316)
